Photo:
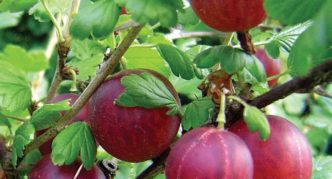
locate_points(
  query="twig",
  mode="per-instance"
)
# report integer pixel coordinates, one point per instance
(105, 70)
(73, 11)
(246, 43)
(176, 34)
(54, 21)
(321, 92)
(318, 75)
(126, 25)
(63, 51)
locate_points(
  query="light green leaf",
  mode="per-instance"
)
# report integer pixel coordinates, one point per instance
(197, 113)
(23, 136)
(55, 6)
(179, 62)
(87, 67)
(9, 19)
(76, 138)
(152, 12)
(32, 61)
(97, 19)
(30, 160)
(145, 90)
(256, 121)
(47, 115)
(148, 58)
(322, 167)
(16, 5)
(15, 92)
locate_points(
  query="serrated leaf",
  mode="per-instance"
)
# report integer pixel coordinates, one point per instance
(255, 69)
(152, 12)
(322, 167)
(83, 49)
(47, 115)
(256, 121)
(9, 19)
(33, 61)
(15, 92)
(97, 19)
(147, 91)
(16, 5)
(313, 47)
(23, 136)
(292, 12)
(76, 138)
(197, 113)
(286, 38)
(87, 67)
(148, 58)
(178, 61)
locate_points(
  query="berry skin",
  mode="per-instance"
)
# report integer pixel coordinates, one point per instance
(230, 15)
(285, 154)
(45, 169)
(209, 153)
(131, 134)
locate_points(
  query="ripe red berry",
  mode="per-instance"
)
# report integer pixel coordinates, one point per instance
(230, 15)
(132, 134)
(272, 67)
(211, 154)
(285, 154)
(45, 169)
(46, 148)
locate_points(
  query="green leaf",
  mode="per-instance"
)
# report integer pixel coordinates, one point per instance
(255, 71)
(4, 121)
(16, 5)
(285, 39)
(15, 92)
(188, 17)
(273, 49)
(47, 115)
(33, 61)
(197, 113)
(76, 138)
(87, 56)
(23, 136)
(231, 59)
(30, 160)
(313, 47)
(97, 19)
(256, 121)
(9, 19)
(292, 12)
(152, 12)
(148, 58)
(322, 167)
(178, 61)
(147, 91)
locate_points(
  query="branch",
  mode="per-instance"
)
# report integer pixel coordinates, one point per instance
(318, 75)
(105, 70)
(177, 34)
(63, 50)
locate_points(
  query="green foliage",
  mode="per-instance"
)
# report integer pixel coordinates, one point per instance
(23, 136)
(322, 167)
(178, 61)
(16, 5)
(15, 91)
(256, 121)
(9, 19)
(76, 138)
(97, 19)
(147, 91)
(47, 115)
(32, 61)
(152, 12)
(197, 113)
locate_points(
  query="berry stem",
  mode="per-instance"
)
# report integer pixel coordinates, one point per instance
(221, 119)
(246, 43)
(54, 21)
